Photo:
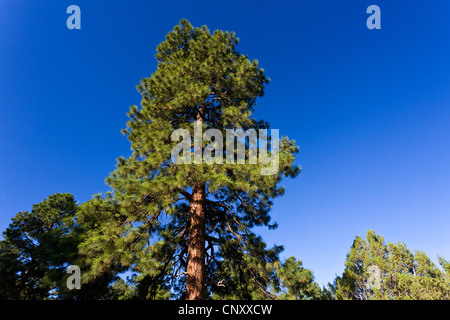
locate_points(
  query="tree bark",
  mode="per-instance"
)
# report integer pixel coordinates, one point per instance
(195, 279)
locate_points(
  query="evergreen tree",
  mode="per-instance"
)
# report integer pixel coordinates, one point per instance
(386, 271)
(37, 249)
(296, 282)
(111, 245)
(189, 225)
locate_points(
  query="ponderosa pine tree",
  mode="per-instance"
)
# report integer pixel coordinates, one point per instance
(38, 247)
(190, 224)
(296, 282)
(35, 248)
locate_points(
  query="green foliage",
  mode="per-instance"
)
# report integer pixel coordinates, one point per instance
(404, 275)
(37, 249)
(296, 282)
(245, 270)
(146, 226)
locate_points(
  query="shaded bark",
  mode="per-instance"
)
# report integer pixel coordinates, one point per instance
(195, 279)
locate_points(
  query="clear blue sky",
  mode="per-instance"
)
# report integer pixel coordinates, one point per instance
(370, 109)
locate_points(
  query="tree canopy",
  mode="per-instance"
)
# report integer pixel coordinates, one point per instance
(402, 274)
(192, 221)
(37, 249)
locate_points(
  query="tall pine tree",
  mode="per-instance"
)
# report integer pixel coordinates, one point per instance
(189, 224)
(38, 247)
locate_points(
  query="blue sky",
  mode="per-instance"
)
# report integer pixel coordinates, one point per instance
(370, 109)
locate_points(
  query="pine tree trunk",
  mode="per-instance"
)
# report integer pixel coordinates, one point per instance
(195, 279)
